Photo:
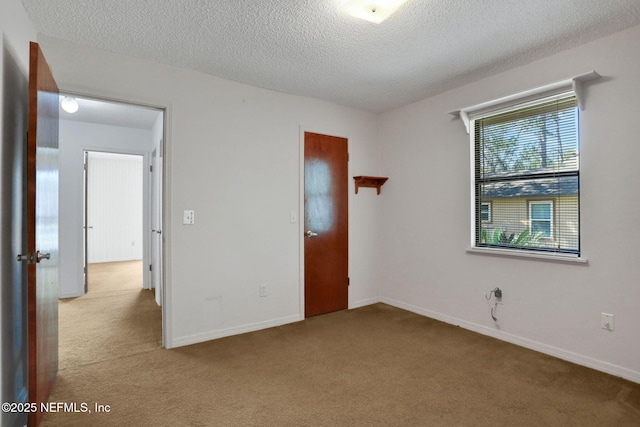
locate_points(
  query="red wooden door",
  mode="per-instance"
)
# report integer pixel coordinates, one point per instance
(326, 272)
(42, 231)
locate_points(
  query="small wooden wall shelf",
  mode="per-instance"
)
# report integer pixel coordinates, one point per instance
(370, 181)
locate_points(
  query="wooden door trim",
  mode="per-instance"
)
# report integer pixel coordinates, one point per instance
(301, 139)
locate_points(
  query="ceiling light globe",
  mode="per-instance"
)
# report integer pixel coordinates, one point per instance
(69, 104)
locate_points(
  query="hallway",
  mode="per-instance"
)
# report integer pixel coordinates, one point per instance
(116, 318)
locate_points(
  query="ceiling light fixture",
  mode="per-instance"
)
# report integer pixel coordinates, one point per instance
(69, 104)
(374, 11)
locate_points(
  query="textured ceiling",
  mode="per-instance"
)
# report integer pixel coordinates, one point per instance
(311, 48)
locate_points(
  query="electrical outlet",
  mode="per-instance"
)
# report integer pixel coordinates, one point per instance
(606, 321)
(263, 290)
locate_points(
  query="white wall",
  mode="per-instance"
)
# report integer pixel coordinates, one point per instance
(551, 307)
(233, 156)
(75, 138)
(114, 207)
(17, 32)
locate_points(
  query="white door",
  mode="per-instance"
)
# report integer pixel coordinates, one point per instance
(156, 222)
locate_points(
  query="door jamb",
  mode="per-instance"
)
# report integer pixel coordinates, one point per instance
(146, 206)
(167, 107)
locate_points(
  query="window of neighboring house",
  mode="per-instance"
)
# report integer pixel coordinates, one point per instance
(541, 218)
(521, 153)
(485, 212)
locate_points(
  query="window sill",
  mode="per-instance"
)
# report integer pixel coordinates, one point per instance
(514, 253)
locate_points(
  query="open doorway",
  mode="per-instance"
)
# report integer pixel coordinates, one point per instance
(111, 185)
(114, 221)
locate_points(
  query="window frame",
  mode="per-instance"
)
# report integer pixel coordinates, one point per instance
(513, 105)
(551, 220)
(466, 116)
(489, 209)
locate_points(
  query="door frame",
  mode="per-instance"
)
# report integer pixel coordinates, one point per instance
(166, 107)
(330, 132)
(146, 209)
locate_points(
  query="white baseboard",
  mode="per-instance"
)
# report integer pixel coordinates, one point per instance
(236, 330)
(364, 302)
(70, 295)
(569, 356)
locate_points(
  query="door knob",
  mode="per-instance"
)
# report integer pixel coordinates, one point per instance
(310, 234)
(33, 258)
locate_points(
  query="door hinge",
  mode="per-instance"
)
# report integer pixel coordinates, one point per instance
(348, 157)
(348, 281)
(150, 168)
(150, 267)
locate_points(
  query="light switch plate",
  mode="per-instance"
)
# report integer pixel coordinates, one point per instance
(607, 321)
(188, 217)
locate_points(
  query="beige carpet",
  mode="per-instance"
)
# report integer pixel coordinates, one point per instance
(116, 317)
(113, 277)
(373, 366)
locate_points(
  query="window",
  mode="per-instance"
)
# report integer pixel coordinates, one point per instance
(526, 176)
(485, 212)
(541, 218)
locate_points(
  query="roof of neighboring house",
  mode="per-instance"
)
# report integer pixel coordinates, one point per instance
(565, 186)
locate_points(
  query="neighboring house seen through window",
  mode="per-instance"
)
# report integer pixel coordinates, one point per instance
(526, 176)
